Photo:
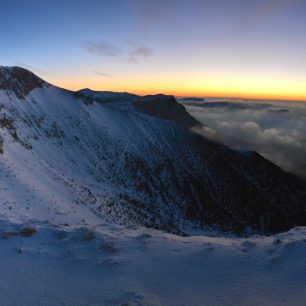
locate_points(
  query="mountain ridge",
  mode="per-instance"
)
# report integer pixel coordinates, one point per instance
(67, 161)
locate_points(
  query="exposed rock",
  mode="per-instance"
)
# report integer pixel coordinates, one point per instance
(104, 96)
(166, 107)
(19, 80)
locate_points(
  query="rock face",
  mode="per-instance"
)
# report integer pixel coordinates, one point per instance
(19, 80)
(106, 96)
(166, 107)
(132, 162)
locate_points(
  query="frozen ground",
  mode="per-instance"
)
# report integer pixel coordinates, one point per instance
(113, 265)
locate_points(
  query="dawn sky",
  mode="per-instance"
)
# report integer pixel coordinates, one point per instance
(241, 48)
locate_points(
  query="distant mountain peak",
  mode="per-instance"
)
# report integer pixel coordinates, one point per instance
(88, 96)
(19, 80)
(166, 107)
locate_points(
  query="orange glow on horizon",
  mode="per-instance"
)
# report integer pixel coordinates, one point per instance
(245, 87)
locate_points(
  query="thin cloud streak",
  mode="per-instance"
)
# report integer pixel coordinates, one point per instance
(140, 53)
(103, 74)
(102, 49)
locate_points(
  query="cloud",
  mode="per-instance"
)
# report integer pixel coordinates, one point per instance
(139, 53)
(253, 132)
(226, 103)
(102, 49)
(268, 7)
(275, 129)
(264, 9)
(103, 74)
(150, 13)
(105, 49)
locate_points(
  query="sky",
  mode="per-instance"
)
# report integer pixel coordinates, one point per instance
(216, 48)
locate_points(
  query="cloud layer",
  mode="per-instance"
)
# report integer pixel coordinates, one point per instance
(277, 130)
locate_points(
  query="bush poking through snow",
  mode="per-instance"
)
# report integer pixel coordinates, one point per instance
(8, 235)
(28, 232)
(109, 247)
(88, 235)
(277, 241)
(1, 145)
(25, 232)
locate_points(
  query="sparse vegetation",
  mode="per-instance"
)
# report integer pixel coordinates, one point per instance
(88, 235)
(28, 231)
(277, 241)
(8, 235)
(109, 247)
(1, 145)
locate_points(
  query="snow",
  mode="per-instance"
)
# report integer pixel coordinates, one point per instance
(67, 188)
(114, 265)
(77, 150)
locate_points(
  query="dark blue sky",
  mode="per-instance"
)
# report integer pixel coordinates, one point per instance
(234, 47)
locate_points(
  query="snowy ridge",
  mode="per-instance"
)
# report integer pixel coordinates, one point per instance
(80, 178)
(66, 160)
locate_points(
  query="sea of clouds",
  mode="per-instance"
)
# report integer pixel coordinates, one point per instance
(275, 129)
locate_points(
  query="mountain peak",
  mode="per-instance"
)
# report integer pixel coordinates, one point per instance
(19, 80)
(166, 107)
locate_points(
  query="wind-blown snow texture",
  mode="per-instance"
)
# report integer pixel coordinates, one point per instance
(112, 265)
(67, 159)
(75, 165)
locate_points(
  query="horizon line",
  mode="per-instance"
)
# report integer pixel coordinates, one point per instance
(211, 95)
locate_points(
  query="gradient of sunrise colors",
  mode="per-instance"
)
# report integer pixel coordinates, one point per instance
(228, 48)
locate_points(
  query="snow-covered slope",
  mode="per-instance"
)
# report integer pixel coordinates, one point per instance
(73, 168)
(111, 265)
(68, 161)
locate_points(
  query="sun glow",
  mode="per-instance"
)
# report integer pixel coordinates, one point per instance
(239, 86)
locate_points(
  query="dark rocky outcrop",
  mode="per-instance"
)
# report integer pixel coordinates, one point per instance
(19, 80)
(105, 96)
(88, 100)
(166, 107)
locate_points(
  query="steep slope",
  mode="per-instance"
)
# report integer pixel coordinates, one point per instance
(67, 161)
